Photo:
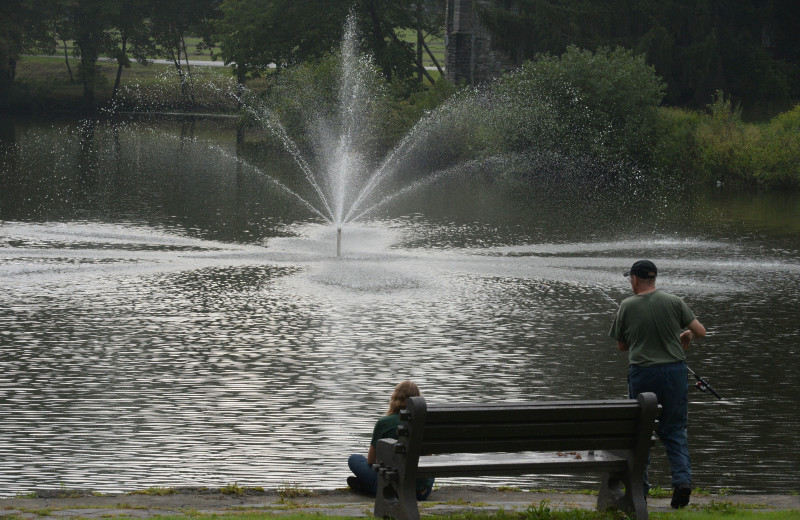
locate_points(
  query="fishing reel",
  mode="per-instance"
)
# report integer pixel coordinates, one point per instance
(702, 385)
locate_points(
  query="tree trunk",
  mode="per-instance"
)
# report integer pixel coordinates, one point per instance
(181, 75)
(66, 60)
(433, 58)
(377, 36)
(188, 71)
(420, 42)
(88, 74)
(119, 68)
(241, 79)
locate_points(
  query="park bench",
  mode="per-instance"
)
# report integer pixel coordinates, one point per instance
(610, 437)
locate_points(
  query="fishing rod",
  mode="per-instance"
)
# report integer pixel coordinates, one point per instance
(701, 383)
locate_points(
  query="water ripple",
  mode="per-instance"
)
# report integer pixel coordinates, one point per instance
(196, 362)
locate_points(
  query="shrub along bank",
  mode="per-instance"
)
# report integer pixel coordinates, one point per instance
(718, 146)
(601, 106)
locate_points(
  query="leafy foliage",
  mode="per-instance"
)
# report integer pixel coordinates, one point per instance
(750, 48)
(254, 34)
(720, 146)
(313, 88)
(582, 103)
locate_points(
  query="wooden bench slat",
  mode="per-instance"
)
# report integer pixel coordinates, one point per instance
(472, 414)
(532, 430)
(508, 445)
(517, 464)
(536, 405)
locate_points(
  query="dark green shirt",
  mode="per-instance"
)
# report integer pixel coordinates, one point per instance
(651, 325)
(386, 428)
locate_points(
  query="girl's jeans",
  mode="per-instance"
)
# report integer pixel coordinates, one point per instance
(369, 478)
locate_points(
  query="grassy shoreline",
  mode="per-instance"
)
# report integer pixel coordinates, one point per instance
(43, 84)
(716, 146)
(448, 502)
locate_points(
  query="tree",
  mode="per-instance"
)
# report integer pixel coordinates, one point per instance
(98, 27)
(132, 36)
(91, 22)
(749, 48)
(380, 22)
(254, 35)
(582, 103)
(382, 18)
(172, 22)
(703, 47)
(11, 36)
(23, 25)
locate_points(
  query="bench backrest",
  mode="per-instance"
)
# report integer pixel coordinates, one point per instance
(528, 426)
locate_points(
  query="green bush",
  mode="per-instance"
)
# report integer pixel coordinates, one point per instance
(730, 150)
(599, 104)
(676, 148)
(725, 143)
(778, 151)
(407, 110)
(307, 101)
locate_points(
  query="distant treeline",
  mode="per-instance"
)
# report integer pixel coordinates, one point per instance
(597, 114)
(749, 49)
(656, 86)
(252, 35)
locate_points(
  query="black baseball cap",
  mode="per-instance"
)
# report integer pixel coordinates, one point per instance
(643, 269)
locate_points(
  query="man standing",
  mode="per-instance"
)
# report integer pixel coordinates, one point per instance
(655, 328)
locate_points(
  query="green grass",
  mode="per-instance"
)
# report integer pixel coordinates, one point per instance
(43, 83)
(436, 45)
(726, 514)
(538, 512)
(40, 68)
(192, 44)
(155, 491)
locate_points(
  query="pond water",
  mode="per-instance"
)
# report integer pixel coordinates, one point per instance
(169, 317)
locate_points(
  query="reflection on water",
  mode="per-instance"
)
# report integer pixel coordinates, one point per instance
(190, 333)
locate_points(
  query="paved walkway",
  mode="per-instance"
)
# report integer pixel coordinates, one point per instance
(446, 500)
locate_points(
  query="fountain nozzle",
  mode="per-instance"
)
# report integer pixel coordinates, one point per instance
(338, 242)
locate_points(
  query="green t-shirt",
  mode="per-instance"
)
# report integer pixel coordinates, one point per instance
(386, 427)
(651, 325)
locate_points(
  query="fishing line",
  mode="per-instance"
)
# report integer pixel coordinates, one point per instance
(609, 298)
(348, 432)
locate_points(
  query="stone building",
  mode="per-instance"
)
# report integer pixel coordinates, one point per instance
(469, 54)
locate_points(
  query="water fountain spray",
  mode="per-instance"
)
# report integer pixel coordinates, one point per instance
(345, 183)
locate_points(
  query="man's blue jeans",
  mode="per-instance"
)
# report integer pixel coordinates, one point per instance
(669, 383)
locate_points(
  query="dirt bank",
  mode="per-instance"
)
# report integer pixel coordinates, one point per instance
(61, 504)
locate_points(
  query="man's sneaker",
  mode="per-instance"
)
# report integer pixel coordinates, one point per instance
(680, 496)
